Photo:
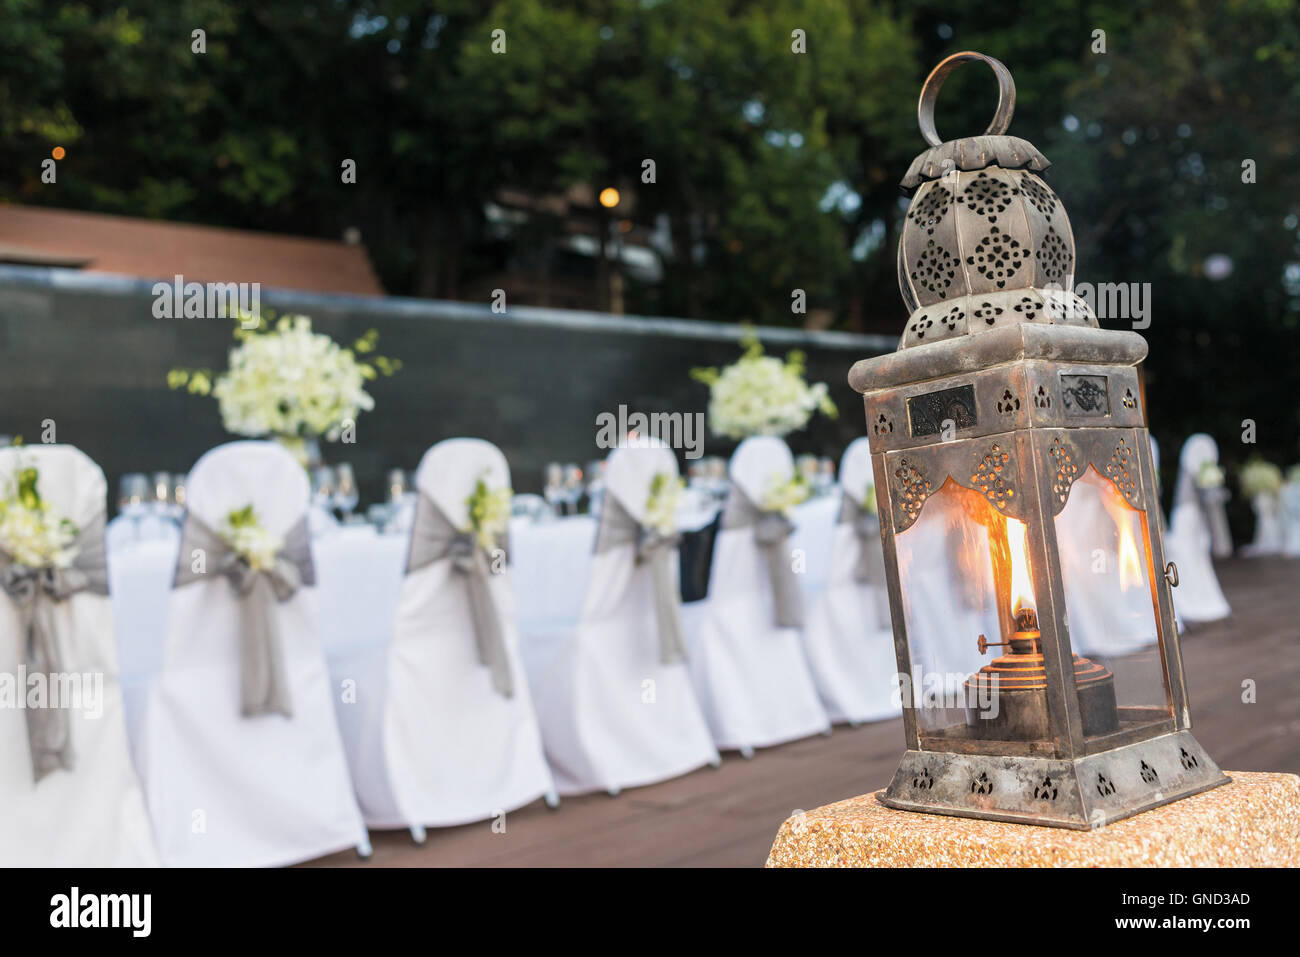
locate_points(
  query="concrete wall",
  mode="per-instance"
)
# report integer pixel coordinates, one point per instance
(86, 351)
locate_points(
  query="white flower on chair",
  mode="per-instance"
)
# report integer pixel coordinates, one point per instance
(489, 513)
(783, 496)
(32, 531)
(243, 531)
(1260, 478)
(661, 504)
(1209, 475)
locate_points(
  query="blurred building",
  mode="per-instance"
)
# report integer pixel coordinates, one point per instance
(155, 250)
(587, 249)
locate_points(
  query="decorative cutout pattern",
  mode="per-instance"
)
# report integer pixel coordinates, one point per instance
(883, 425)
(981, 784)
(1028, 307)
(1038, 195)
(921, 326)
(1129, 401)
(1041, 399)
(997, 257)
(1046, 790)
(1067, 470)
(988, 477)
(923, 781)
(1120, 471)
(987, 196)
(935, 270)
(929, 212)
(1148, 773)
(1009, 404)
(1104, 786)
(913, 489)
(988, 312)
(955, 315)
(1188, 760)
(1054, 256)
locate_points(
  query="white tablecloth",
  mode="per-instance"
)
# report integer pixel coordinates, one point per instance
(359, 580)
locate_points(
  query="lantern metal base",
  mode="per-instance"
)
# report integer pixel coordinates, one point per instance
(1082, 794)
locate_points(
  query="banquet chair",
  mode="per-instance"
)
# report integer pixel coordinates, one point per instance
(449, 735)
(69, 793)
(614, 699)
(1291, 516)
(743, 642)
(1197, 531)
(848, 637)
(240, 752)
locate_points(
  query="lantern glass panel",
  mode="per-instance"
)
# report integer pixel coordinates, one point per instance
(964, 569)
(1107, 577)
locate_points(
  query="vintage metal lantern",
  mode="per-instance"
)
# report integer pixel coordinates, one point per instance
(1033, 624)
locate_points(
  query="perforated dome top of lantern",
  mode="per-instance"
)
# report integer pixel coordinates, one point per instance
(986, 243)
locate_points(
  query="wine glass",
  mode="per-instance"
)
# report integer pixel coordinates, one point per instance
(717, 473)
(595, 484)
(133, 498)
(162, 493)
(572, 486)
(553, 489)
(346, 495)
(399, 485)
(322, 487)
(178, 495)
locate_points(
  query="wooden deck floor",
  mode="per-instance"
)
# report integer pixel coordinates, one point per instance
(727, 817)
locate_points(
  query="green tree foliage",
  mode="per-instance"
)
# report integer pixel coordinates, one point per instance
(775, 170)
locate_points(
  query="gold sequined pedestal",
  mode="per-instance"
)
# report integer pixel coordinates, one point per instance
(1254, 821)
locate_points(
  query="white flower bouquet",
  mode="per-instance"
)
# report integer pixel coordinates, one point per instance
(243, 531)
(32, 531)
(287, 381)
(489, 513)
(762, 395)
(1260, 478)
(661, 504)
(1209, 475)
(783, 496)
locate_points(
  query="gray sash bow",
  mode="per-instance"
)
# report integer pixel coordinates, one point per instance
(264, 683)
(653, 547)
(36, 592)
(870, 568)
(1212, 502)
(433, 538)
(771, 531)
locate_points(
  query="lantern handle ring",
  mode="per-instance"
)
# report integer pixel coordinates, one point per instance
(930, 92)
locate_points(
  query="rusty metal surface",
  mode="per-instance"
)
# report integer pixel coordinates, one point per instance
(1085, 793)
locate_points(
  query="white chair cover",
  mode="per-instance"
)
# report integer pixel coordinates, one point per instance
(1198, 596)
(848, 636)
(751, 676)
(225, 790)
(1270, 525)
(1291, 510)
(431, 741)
(94, 814)
(613, 714)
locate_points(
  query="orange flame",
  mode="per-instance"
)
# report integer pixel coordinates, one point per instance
(1130, 559)
(1022, 586)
